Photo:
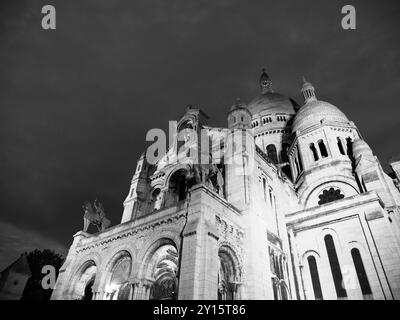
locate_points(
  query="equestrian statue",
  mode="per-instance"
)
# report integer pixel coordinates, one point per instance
(94, 214)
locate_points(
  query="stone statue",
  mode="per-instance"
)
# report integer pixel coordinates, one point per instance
(209, 175)
(199, 173)
(217, 179)
(94, 214)
(220, 182)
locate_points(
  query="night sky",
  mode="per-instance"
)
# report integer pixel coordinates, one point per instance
(76, 102)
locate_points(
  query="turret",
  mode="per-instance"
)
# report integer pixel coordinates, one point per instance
(239, 155)
(308, 91)
(137, 191)
(239, 117)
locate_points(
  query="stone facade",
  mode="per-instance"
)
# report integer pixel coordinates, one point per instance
(296, 207)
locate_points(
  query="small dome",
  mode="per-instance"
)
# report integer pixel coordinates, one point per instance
(314, 112)
(238, 105)
(272, 102)
(361, 148)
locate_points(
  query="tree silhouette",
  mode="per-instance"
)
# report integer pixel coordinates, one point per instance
(37, 260)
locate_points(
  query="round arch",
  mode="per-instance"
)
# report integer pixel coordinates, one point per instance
(161, 266)
(181, 166)
(117, 275)
(83, 281)
(311, 274)
(229, 274)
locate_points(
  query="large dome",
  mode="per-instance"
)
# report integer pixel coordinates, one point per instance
(316, 111)
(272, 102)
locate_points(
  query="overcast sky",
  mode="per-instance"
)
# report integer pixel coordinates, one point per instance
(76, 102)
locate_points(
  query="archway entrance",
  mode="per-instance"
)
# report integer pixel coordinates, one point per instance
(228, 275)
(117, 287)
(163, 269)
(88, 295)
(82, 288)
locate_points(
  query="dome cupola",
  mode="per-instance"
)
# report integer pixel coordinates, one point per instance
(308, 91)
(314, 112)
(270, 102)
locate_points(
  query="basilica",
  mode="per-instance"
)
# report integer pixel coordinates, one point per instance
(296, 207)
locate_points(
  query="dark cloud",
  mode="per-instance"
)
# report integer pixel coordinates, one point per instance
(76, 103)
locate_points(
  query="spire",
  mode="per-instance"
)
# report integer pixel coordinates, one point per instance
(265, 82)
(308, 91)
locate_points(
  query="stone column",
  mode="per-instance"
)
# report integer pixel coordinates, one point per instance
(98, 295)
(139, 290)
(297, 267)
(147, 285)
(236, 289)
(199, 265)
(132, 290)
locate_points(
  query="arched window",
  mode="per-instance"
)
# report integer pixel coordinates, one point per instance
(177, 185)
(361, 274)
(312, 265)
(300, 162)
(322, 149)
(349, 145)
(297, 166)
(265, 188)
(284, 153)
(314, 151)
(271, 152)
(335, 267)
(156, 199)
(340, 146)
(271, 198)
